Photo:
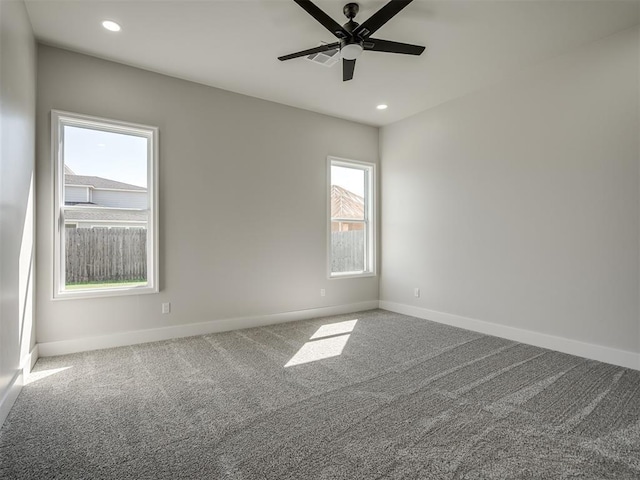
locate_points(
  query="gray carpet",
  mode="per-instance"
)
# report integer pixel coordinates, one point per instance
(406, 398)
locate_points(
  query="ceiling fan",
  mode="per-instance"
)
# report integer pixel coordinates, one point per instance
(354, 37)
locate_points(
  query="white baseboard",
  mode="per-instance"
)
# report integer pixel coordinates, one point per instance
(15, 386)
(29, 360)
(622, 358)
(64, 347)
(9, 398)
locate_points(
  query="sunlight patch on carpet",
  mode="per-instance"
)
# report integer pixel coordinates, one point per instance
(335, 329)
(328, 341)
(35, 376)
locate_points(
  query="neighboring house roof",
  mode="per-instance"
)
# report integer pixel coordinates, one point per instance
(104, 215)
(346, 204)
(68, 171)
(99, 182)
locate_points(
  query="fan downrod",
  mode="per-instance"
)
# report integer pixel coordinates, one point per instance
(351, 10)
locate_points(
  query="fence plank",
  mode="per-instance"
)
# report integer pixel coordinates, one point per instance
(105, 255)
(347, 251)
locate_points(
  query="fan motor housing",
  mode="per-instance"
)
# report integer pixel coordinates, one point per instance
(350, 26)
(351, 41)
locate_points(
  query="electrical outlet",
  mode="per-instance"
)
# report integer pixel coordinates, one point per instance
(322, 292)
(166, 307)
(416, 292)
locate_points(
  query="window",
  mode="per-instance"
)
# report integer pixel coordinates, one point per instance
(351, 225)
(105, 207)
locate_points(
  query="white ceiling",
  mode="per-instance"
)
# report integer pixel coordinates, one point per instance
(234, 44)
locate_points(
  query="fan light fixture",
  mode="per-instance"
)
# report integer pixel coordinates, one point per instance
(351, 51)
(111, 26)
(382, 106)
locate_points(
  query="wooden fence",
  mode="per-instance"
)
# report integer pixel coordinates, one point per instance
(120, 254)
(105, 255)
(347, 251)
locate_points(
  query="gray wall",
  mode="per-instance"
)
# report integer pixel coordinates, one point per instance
(242, 199)
(17, 141)
(519, 204)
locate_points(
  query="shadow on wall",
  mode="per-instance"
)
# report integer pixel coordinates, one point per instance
(26, 280)
(17, 332)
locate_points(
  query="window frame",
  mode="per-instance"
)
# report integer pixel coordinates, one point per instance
(60, 119)
(369, 217)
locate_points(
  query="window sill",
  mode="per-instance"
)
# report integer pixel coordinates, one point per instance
(338, 276)
(100, 293)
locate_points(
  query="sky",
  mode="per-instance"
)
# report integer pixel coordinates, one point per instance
(104, 154)
(350, 178)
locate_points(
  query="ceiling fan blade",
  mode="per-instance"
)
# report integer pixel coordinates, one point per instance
(378, 45)
(381, 17)
(328, 22)
(348, 66)
(303, 53)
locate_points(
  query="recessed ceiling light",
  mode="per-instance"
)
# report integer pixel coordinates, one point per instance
(382, 106)
(111, 26)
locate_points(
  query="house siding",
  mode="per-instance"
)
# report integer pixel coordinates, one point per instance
(120, 199)
(76, 194)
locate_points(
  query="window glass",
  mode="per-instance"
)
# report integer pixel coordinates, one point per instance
(351, 231)
(105, 203)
